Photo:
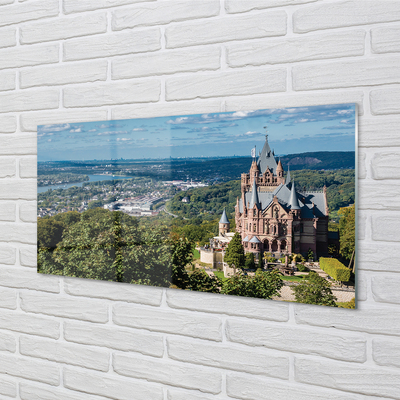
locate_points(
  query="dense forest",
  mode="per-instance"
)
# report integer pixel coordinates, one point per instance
(209, 202)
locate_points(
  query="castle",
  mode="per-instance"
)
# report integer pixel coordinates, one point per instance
(273, 216)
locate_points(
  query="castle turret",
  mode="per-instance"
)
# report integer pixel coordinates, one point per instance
(294, 202)
(224, 224)
(254, 197)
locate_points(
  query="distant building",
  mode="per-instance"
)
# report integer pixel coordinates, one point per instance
(273, 216)
(185, 200)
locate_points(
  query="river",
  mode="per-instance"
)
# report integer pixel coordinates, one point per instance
(92, 178)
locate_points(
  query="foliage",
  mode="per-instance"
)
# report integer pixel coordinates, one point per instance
(298, 258)
(310, 254)
(202, 282)
(249, 261)
(262, 285)
(260, 262)
(302, 268)
(314, 290)
(347, 229)
(234, 254)
(348, 304)
(182, 256)
(268, 257)
(335, 269)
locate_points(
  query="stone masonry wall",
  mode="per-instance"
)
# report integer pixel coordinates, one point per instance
(88, 60)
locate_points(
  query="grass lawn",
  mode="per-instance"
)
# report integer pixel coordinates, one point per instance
(196, 254)
(220, 275)
(290, 278)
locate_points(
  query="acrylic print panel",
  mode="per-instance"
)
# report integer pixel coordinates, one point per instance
(258, 203)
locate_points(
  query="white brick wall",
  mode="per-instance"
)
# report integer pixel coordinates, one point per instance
(74, 60)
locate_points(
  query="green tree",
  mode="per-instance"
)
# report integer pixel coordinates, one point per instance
(234, 254)
(314, 289)
(249, 261)
(182, 255)
(347, 229)
(202, 282)
(261, 285)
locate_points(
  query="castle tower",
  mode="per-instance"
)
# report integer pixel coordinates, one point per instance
(224, 224)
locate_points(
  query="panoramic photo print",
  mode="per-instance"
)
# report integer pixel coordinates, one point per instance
(254, 203)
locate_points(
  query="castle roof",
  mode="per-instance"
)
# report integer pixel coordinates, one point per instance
(254, 197)
(294, 202)
(288, 180)
(254, 239)
(224, 218)
(283, 193)
(266, 159)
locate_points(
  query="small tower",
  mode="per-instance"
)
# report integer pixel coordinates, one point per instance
(294, 202)
(279, 173)
(224, 224)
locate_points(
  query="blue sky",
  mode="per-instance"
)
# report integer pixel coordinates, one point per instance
(290, 130)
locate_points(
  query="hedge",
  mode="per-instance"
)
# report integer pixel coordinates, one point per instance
(335, 269)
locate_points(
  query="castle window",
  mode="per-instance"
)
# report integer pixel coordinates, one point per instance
(254, 227)
(254, 213)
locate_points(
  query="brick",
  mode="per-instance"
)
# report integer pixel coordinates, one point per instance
(168, 62)
(8, 167)
(372, 319)
(179, 394)
(7, 255)
(383, 165)
(280, 51)
(4, 2)
(114, 338)
(362, 288)
(7, 342)
(30, 121)
(162, 13)
(63, 74)
(28, 391)
(115, 44)
(362, 168)
(362, 219)
(385, 227)
(71, 6)
(30, 324)
(386, 352)
(26, 100)
(17, 232)
(7, 80)
(16, 57)
(65, 353)
(168, 372)
(237, 6)
(27, 211)
(17, 189)
(245, 386)
(28, 256)
(22, 367)
(385, 39)
(308, 341)
(346, 74)
(264, 24)
(111, 386)
(379, 131)
(230, 305)
(22, 278)
(28, 11)
(7, 211)
(28, 167)
(283, 100)
(109, 94)
(63, 28)
(114, 291)
(385, 288)
(226, 84)
(17, 145)
(182, 323)
(380, 196)
(348, 377)
(8, 124)
(229, 357)
(8, 37)
(8, 299)
(59, 306)
(8, 388)
(344, 13)
(378, 258)
(162, 109)
(385, 101)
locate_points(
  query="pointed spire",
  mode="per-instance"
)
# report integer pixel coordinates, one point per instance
(224, 218)
(279, 167)
(287, 176)
(294, 202)
(254, 196)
